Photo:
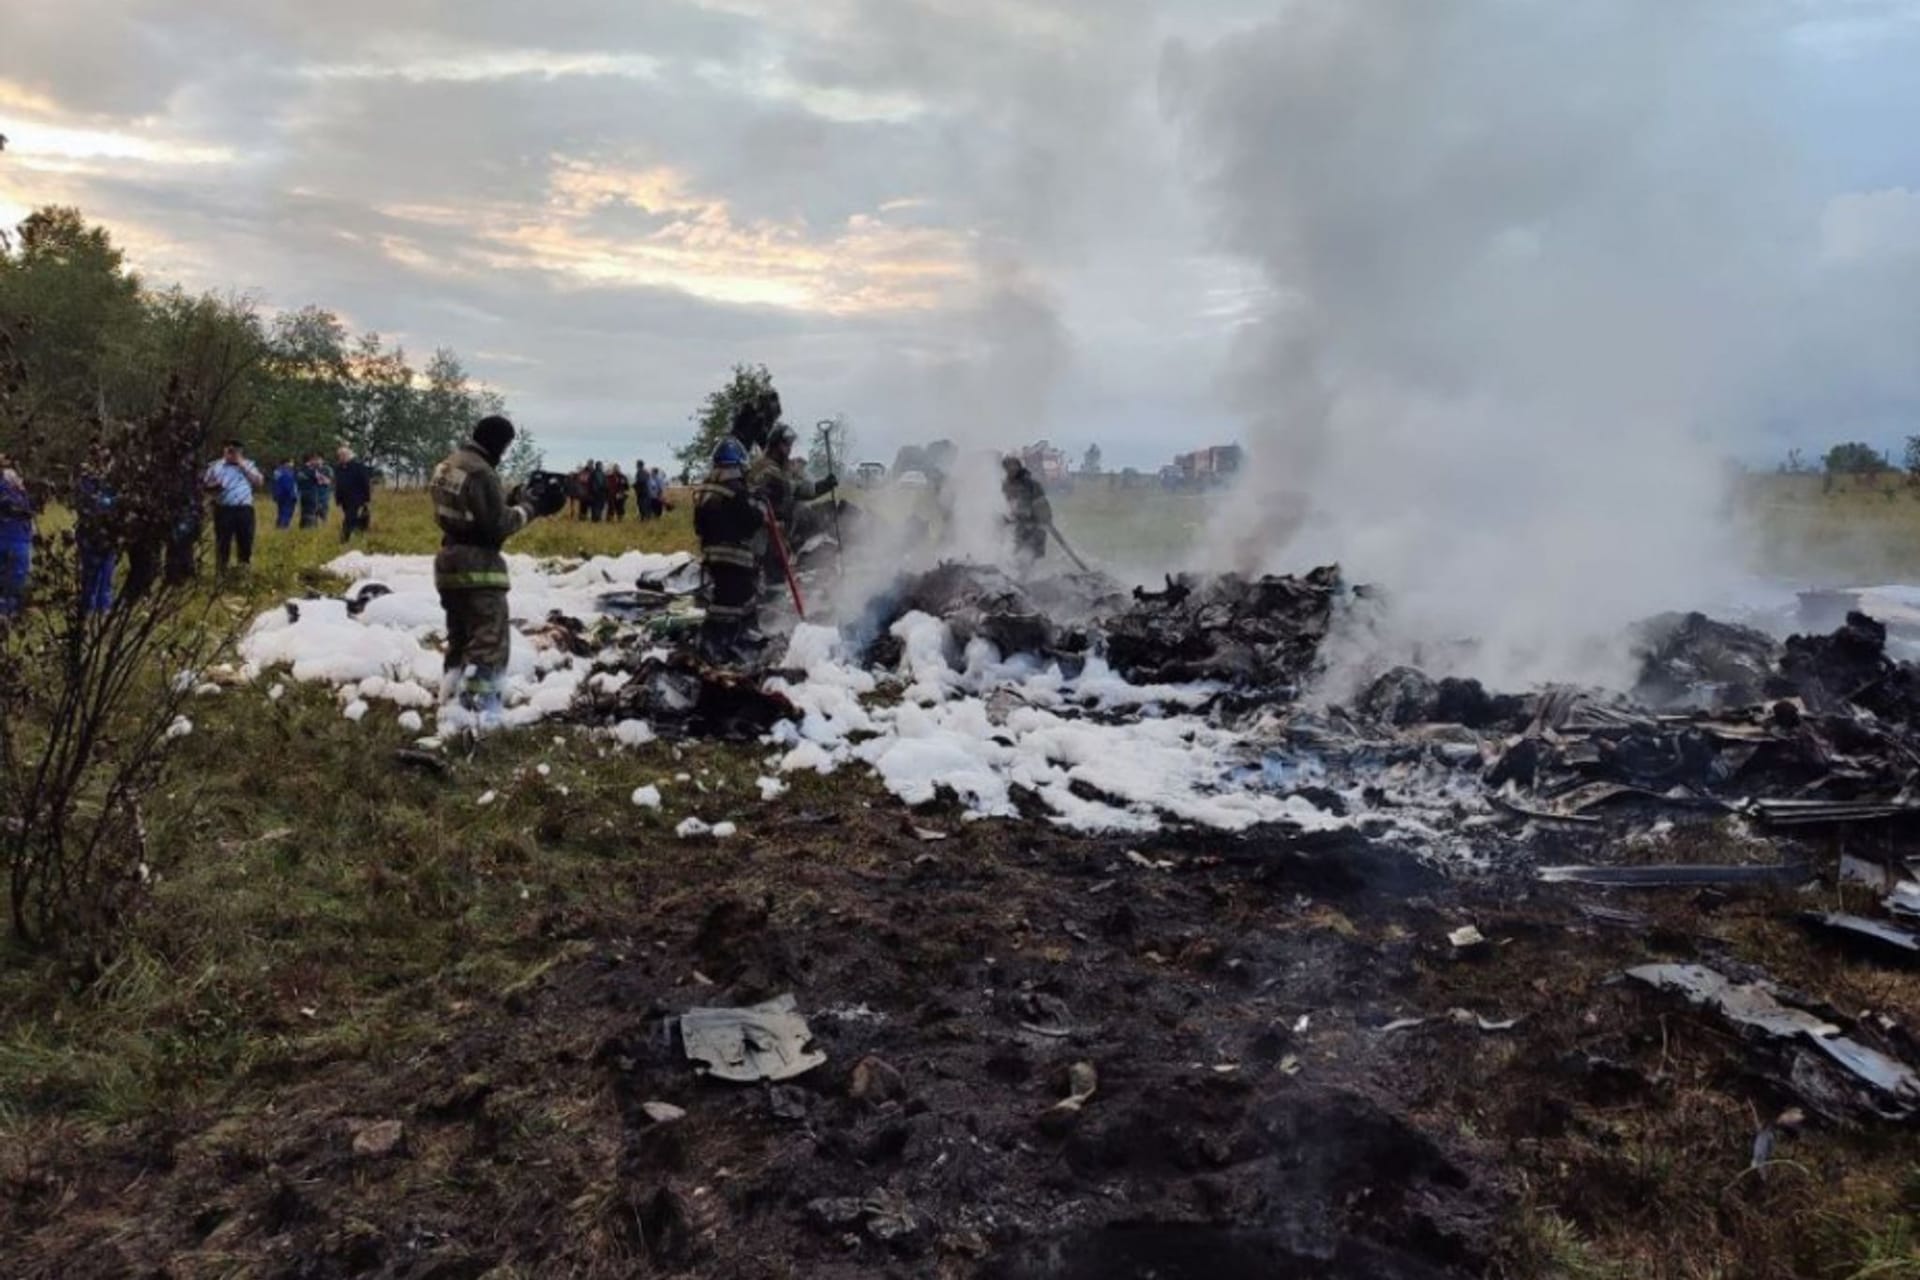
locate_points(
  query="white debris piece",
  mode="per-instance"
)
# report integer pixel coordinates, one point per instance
(647, 797)
(770, 788)
(633, 733)
(724, 830)
(180, 728)
(207, 690)
(356, 710)
(411, 722)
(276, 693)
(487, 798)
(691, 827)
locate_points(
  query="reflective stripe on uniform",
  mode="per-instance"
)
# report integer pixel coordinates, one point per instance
(729, 612)
(471, 581)
(738, 557)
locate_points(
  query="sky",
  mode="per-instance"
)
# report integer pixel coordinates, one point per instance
(1000, 220)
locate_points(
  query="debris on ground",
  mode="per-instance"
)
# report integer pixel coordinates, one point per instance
(768, 1041)
(1850, 1080)
(1873, 938)
(1260, 634)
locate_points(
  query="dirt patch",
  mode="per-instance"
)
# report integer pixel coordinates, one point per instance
(1264, 1105)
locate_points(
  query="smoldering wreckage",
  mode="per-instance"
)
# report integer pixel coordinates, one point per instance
(1138, 740)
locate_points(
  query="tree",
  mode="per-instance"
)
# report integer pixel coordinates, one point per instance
(206, 352)
(377, 404)
(1912, 459)
(524, 457)
(306, 376)
(1854, 459)
(1090, 463)
(747, 384)
(831, 447)
(72, 312)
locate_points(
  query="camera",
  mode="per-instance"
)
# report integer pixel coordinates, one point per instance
(547, 491)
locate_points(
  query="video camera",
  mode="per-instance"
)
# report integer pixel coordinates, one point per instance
(547, 491)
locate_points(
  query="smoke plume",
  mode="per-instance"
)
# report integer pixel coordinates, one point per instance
(1529, 263)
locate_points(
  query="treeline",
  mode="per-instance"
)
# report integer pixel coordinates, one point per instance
(90, 343)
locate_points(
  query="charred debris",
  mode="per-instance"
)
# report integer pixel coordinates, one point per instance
(1722, 719)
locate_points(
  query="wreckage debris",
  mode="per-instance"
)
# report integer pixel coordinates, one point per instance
(1873, 938)
(1689, 661)
(1679, 876)
(1406, 696)
(1254, 633)
(1881, 1085)
(767, 1041)
(682, 696)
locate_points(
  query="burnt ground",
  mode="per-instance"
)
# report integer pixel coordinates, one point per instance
(1256, 1114)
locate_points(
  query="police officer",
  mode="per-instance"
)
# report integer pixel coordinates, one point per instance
(1029, 514)
(728, 516)
(476, 518)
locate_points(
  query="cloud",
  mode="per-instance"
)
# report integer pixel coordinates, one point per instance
(956, 216)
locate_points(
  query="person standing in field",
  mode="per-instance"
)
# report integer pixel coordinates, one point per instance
(231, 481)
(616, 493)
(642, 491)
(286, 494)
(93, 534)
(307, 481)
(1029, 514)
(476, 518)
(657, 491)
(353, 484)
(16, 538)
(596, 492)
(778, 478)
(728, 517)
(322, 489)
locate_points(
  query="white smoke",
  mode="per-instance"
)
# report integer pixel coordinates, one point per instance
(1530, 262)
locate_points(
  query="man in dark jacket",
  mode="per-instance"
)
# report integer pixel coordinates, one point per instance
(286, 493)
(476, 518)
(784, 485)
(728, 516)
(1029, 514)
(353, 488)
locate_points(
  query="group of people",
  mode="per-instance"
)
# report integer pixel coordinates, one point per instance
(311, 488)
(748, 514)
(228, 485)
(601, 491)
(103, 533)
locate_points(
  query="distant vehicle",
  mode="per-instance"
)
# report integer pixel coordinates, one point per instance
(869, 474)
(912, 480)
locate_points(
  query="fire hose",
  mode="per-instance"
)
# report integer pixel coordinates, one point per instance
(786, 562)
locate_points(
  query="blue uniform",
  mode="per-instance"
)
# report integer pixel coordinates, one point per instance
(16, 542)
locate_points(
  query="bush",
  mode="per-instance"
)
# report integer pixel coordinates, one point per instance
(90, 689)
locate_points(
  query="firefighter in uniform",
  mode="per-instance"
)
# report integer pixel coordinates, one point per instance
(476, 518)
(775, 478)
(1029, 514)
(729, 517)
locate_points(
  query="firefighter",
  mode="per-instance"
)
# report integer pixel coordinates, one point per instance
(476, 518)
(1029, 514)
(775, 477)
(729, 517)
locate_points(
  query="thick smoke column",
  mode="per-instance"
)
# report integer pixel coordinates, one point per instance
(1525, 261)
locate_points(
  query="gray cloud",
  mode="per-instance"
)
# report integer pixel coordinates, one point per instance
(978, 218)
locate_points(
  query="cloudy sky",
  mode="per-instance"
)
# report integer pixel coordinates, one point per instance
(991, 218)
